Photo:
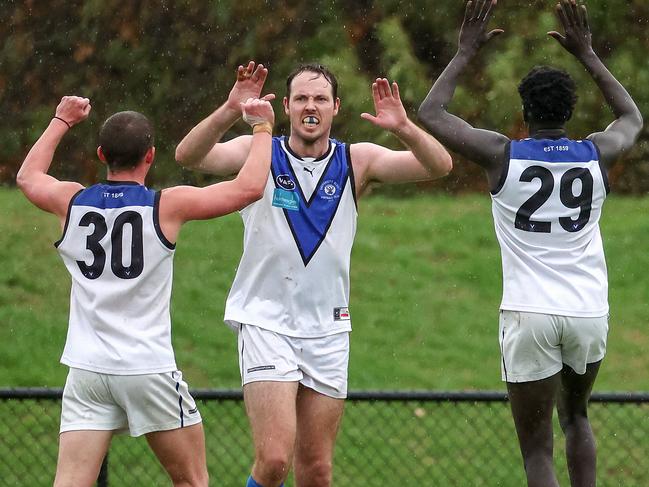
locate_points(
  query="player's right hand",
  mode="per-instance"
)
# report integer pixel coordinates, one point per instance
(473, 33)
(574, 20)
(256, 111)
(73, 109)
(250, 81)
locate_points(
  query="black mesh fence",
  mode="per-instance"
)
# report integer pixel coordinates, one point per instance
(386, 438)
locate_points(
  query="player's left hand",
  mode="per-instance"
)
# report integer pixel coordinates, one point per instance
(256, 111)
(390, 114)
(574, 20)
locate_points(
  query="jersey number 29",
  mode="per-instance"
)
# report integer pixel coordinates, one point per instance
(583, 200)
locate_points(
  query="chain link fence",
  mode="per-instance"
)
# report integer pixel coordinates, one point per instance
(386, 438)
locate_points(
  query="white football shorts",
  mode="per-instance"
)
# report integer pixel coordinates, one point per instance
(137, 404)
(317, 363)
(535, 346)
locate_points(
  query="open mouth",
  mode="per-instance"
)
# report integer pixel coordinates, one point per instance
(310, 121)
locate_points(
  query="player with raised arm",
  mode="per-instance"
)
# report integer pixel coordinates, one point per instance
(290, 298)
(118, 245)
(547, 192)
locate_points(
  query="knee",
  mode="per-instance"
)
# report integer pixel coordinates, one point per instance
(199, 478)
(273, 465)
(571, 419)
(318, 473)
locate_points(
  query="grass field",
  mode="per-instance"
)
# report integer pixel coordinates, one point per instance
(425, 292)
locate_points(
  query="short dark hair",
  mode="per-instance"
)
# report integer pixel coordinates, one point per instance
(316, 68)
(125, 137)
(548, 94)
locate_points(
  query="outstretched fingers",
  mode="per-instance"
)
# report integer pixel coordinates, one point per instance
(259, 74)
(569, 13)
(485, 6)
(561, 15)
(490, 8)
(384, 88)
(245, 72)
(584, 17)
(395, 91)
(369, 117)
(468, 11)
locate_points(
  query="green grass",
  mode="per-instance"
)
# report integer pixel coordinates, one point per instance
(426, 287)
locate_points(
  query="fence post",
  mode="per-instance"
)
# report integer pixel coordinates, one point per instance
(102, 479)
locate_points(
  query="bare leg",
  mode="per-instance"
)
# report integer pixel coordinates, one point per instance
(80, 457)
(318, 419)
(271, 411)
(573, 416)
(532, 406)
(182, 454)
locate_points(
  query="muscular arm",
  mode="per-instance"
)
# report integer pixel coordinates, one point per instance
(183, 203)
(483, 147)
(43, 190)
(201, 150)
(620, 135)
(426, 158)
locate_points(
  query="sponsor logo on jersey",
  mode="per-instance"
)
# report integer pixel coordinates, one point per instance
(329, 190)
(285, 181)
(288, 200)
(341, 314)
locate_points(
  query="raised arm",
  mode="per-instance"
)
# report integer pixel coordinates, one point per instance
(483, 147)
(620, 135)
(201, 150)
(183, 203)
(425, 159)
(43, 190)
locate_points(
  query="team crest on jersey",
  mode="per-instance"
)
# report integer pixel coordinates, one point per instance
(284, 181)
(329, 190)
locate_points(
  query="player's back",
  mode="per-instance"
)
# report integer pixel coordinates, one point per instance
(546, 213)
(121, 269)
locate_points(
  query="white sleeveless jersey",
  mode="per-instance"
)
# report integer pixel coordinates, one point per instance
(546, 212)
(293, 277)
(121, 269)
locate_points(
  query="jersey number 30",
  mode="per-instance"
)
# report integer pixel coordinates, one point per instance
(96, 268)
(583, 200)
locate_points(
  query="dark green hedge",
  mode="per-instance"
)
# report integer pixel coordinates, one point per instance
(175, 61)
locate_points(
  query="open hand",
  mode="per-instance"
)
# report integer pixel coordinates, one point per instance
(256, 111)
(250, 81)
(574, 20)
(73, 109)
(473, 33)
(390, 114)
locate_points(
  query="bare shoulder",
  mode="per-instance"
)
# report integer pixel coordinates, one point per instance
(62, 196)
(362, 153)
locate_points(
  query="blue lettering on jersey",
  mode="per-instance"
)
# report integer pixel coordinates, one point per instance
(309, 225)
(554, 150)
(115, 195)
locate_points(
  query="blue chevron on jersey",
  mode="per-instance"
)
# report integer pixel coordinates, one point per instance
(309, 225)
(554, 150)
(113, 194)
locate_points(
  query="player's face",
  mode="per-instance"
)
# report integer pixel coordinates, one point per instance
(311, 107)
